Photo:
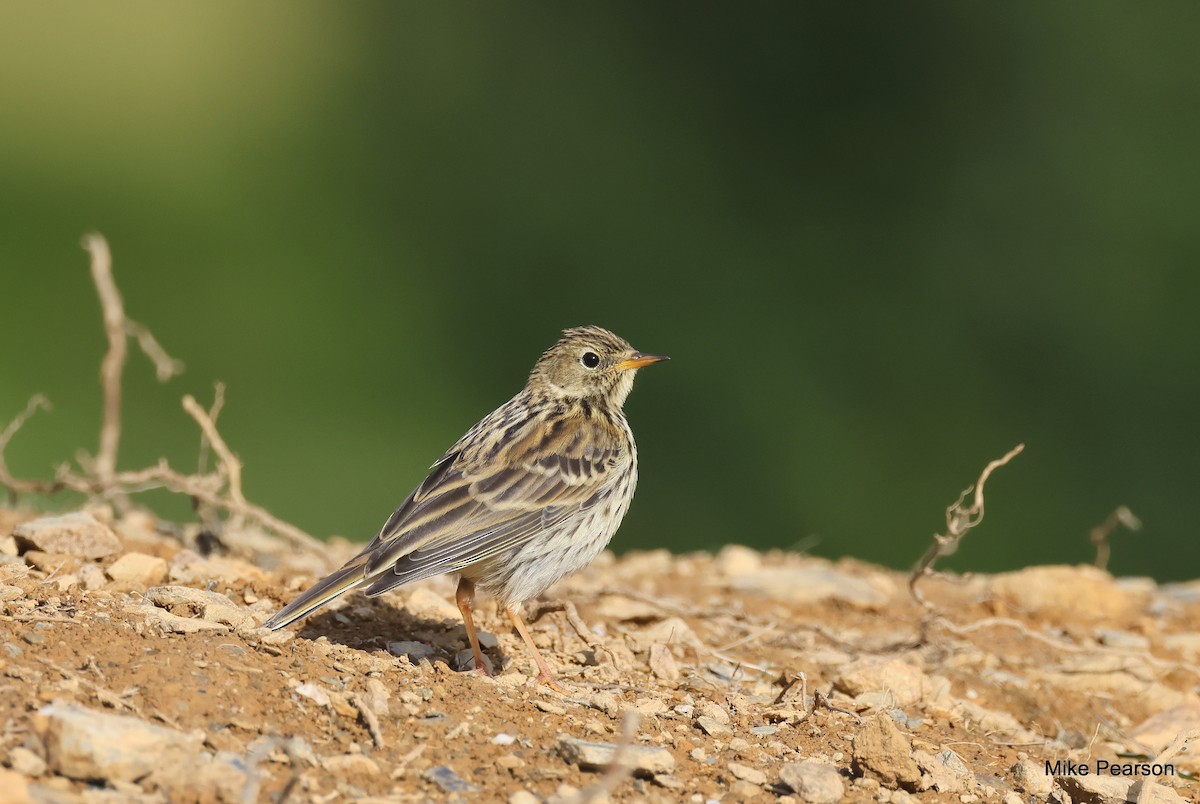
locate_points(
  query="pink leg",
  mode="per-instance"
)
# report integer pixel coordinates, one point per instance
(544, 675)
(465, 597)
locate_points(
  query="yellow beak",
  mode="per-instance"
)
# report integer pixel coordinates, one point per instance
(637, 360)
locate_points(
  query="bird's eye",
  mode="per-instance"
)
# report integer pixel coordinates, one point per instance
(590, 360)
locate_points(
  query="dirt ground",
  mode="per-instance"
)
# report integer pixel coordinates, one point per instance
(753, 677)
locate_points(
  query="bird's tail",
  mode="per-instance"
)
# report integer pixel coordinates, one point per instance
(321, 593)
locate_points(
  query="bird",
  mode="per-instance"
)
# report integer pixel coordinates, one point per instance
(533, 492)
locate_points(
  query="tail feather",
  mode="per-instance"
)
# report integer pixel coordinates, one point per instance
(321, 593)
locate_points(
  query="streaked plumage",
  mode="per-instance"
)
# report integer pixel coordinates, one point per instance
(531, 493)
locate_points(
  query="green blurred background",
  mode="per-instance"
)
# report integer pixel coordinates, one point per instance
(884, 243)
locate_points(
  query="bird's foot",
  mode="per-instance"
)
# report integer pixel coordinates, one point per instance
(549, 680)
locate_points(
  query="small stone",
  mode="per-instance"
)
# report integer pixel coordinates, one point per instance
(377, 696)
(315, 693)
(510, 762)
(76, 534)
(427, 603)
(668, 781)
(815, 782)
(12, 650)
(523, 797)
(644, 760)
(604, 701)
(662, 663)
(8, 592)
(85, 745)
(905, 683)
(712, 727)
(880, 747)
(650, 707)
(1157, 731)
(714, 710)
(33, 638)
(550, 707)
(92, 577)
(1116, 790)
(25, 761)
(944, 771)
(736, 559)
(275, 638)
(168, 623)
(450, 782)
(415, 651)
(1030, 777)
(351, 765)
(741, 791)
(219, 778)
(188, 567)
(138, 570)
(1062, 591)
(188, 602)
(747, 774)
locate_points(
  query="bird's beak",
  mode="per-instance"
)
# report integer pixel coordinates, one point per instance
(637, 360)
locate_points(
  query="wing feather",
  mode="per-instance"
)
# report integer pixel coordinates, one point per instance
(483, 498)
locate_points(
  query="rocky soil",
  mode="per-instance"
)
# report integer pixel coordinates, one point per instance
(132, 668)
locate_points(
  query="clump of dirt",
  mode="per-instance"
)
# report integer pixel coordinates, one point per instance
(140, 672)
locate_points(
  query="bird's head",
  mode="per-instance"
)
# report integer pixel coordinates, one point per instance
(590, 363)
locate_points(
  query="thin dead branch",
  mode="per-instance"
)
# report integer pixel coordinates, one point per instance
(213, 413)
(165, 366)
(231, 467)
(959, 520)
(1177, 746)
(369, 719)
(117, 329)
(15, 485)
(619, 768)
(220, 489)
(113, 309)
(1100, 534)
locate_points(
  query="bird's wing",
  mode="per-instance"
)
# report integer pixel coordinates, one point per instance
(495, 489)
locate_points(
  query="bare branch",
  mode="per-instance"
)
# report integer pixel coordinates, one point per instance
(114, 360)
(213, 413)
(959, 520)
(98, 476)
(230, 464)
(1177, 746)
(619, 767)
(1101, 533)
(165, 366)
(14, 485)
(207, 489)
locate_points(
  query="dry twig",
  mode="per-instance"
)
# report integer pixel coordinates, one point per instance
(220, 489)
(959, 520)
(14, 485)
(369, 718)
(1101, 533)
(1177, 746)
(114, 359)
(619, 768)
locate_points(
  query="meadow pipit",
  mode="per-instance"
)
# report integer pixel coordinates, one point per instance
(531, 493)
